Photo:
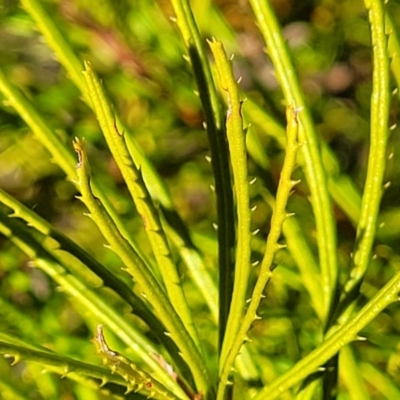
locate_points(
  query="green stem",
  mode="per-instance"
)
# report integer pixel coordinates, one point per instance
(292, 231)
(155, 185)
(303, 256)
(61, 155)
(87, 299)
(219, 155)
(135, 376)
(74, 67)
(316, 178)
(344, 335)
(238, 156)
(141, 197)
(380, 98)
(63, 364)
(341, 188)
(109, 279)
(272, 246)
(135, 266)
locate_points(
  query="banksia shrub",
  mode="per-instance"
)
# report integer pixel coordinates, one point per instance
(179, 223)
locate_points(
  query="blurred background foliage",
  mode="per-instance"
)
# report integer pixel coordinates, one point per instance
(138, 52)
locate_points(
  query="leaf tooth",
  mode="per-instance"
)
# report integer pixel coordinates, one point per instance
(114, 368)
(66, 371)
(295, 182)
(254, 208)
(255, 232)
(297, 110)
(255, 263)
(129, 388)
(16, 360)
(302, 143)
(104, 381)
(361, 338)
(253, 181)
